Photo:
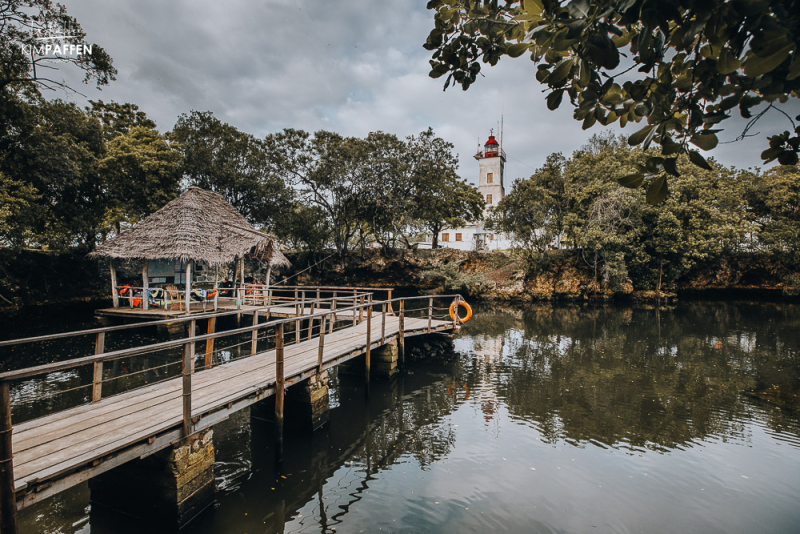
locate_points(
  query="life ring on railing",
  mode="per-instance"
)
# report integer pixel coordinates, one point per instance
(453, 311)
(248, 288)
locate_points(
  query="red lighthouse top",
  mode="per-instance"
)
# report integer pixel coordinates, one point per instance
(491, 148)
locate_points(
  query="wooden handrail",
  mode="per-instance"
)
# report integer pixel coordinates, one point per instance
(135, 351)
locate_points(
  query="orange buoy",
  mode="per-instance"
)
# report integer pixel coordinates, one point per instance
(453, 311)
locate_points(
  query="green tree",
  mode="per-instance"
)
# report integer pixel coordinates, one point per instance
(774, 201)
(140, 171)
(118, 119)
(16, 198)
(533, 211)
(28, 25)
(219, 157)
(681, 65)
(441, 199)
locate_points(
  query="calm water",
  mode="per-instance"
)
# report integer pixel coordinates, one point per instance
(543, 419)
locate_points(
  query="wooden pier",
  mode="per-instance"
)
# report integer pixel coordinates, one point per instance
(72, 444)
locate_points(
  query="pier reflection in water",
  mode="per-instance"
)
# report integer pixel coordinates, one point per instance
(543, 419)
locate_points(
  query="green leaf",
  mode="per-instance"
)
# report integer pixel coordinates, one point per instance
(641, 135)
(632, 180)
(704, 140)
(554, 99)
(727, 62)
(700, 161)
(517, 50)
(657, 191)
(755, 65)
(560, 73)
(671, 166)
(653, 164)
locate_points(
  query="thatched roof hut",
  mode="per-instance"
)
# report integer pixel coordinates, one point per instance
(199, 225)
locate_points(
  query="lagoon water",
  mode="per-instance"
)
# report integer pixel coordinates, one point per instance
(562, 418)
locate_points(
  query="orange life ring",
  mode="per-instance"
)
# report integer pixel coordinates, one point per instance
(453, 311)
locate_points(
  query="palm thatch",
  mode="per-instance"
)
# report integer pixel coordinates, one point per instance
(199, 225)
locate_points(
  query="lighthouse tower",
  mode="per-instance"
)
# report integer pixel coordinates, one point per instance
(492, 161)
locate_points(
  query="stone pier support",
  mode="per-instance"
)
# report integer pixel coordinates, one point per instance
(170, 487)
(384, 360)
(306, 405)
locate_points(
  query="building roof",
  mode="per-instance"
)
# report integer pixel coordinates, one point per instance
(198, 225)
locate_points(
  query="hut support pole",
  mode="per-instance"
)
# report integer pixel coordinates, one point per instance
(8, 498)
(145, 286)
(188, 286)
(216, 289)
(269, 275)
(114, 291)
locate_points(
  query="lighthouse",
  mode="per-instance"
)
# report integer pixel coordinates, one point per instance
(492, 161)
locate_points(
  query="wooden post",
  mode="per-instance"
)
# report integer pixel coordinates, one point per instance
(97, 375)
(186, 370)
(333, 308)
(8, 497)
(383, 324)
(145, 286)
(269, 291)
(389, 298)
(321, 350)
(241, 279)
(302, 303)
(188, 297)
(114, 290)
(361, 309)
(216, 289)
(254, 340)
(192, 330)
(369, 341)
(279, 382)
(317, 294)
(311, 321)
(355, 311)
(401, 336)
(297, 312)
(212, 324)
(430, 313)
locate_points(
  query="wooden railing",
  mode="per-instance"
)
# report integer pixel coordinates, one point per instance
(324, 319)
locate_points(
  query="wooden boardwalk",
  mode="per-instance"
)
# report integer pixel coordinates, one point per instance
(65, 448)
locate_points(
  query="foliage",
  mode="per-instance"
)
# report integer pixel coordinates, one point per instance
(140, 171)
(219, 157)
(694, 62)
(621, 236)
(15, 201)
(451, 279)
(27, 25)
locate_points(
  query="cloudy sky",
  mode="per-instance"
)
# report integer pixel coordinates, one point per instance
(351, 66)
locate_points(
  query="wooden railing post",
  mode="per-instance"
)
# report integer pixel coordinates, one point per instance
(361, 308)
(333, 318)
(383, 324)
(187, 390)
(192, 330)
(430, 313)
(302, 303)
(369, 341)
(8, 497)
(321, 350)
(97, 374)
(311, 321)
(279, 381)
(209, 360)
(145, 286)
(389, 298)
(298, 311)
(401, 336)
(254, 339)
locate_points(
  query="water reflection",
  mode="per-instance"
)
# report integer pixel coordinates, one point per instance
(543, 419)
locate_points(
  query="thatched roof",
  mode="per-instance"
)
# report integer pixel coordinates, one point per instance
(198, 225)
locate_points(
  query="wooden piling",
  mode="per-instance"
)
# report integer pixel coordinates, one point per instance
(212, 324)
(114, 290)
(369, 341)
(145, 286)
(254, 339)
(279, 383)
(97, 374)
(8, 498)
(187, 390)
(401, 336)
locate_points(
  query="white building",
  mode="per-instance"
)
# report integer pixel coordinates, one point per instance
(492, 161)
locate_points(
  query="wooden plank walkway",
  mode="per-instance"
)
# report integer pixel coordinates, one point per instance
(246, 309)
(63, 449)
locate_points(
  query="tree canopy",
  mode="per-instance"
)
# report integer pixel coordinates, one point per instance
(680, 65)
